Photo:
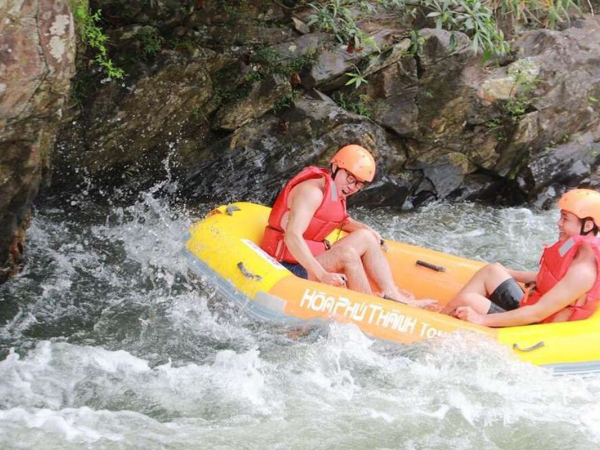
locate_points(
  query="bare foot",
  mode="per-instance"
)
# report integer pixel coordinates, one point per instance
(400, 295)
(427, 304)
(399, 299)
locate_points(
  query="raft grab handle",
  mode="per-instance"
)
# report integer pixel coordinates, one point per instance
(528, 349)
(231, 209)
(383, 245)
(247, 274)
(430, 266)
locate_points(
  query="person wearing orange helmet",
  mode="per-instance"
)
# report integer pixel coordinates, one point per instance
(310, 207)
(565, 288)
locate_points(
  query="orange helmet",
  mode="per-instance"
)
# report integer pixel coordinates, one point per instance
(583, 203)
(356, 160)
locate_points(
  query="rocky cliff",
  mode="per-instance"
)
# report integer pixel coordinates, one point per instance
(237, 96)
(37, 61)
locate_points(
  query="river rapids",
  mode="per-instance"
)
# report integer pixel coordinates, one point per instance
(107, 341)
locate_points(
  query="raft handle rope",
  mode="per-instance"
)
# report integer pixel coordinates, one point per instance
(246, 273)
(231, 209)
(383, 245)
(430, 266)
(529, 349)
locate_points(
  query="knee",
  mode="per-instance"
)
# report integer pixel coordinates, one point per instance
(464, 300)
(347, 255)
(493, 268)
(367, 237)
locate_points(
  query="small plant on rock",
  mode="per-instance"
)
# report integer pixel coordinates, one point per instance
(494, 123)
(93, 36)
(152, 42)
(356, 78)
(266, 61)
(358, 105)
(525, 76)
(474, 18)
(337, 17)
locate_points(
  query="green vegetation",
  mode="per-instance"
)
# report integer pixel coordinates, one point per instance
(152, 42)
(472, 17)
(475, 18)
(286, 102)
(338, 17)
(266, 61)
(494, 123)
(525, 76)
(545, 13)
(416, 42)
(356, 78)
(92, 35)
(231, 7)
(360, 104)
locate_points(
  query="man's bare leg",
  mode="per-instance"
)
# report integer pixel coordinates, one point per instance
(478, 288)
(374, 264)
(345, 259)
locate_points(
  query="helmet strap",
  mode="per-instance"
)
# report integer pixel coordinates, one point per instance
(334, 172)
(593, 230)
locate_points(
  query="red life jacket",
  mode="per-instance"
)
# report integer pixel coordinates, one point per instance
(554, 265)
(330, 215)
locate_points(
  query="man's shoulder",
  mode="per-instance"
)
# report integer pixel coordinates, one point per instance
(586, 256)
(312, 184)
(309, 191)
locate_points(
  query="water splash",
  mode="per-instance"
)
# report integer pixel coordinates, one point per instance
(116, 345)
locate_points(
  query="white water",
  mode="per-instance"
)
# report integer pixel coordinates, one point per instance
(106, 342)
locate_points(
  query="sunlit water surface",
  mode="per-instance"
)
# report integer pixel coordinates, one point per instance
(107, 342)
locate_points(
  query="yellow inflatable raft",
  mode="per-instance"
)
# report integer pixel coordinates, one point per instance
(226, 244)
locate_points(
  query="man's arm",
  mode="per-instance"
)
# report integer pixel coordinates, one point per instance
(579, 279)
(304, 202)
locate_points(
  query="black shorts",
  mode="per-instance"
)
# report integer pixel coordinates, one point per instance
(296, 269)
(506, 297)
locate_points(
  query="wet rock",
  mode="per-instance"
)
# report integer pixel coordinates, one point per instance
(331, 64)
(132, 128)
(569, 164)
(308, 44)
(334, 61)
(37, 52)
(257, 159)
(385, 191)
(477, 187)
(393, 90)
(564, 101)
(442, 176)
(524, 138)
(262, 98)
(436, 115)
(300, 26)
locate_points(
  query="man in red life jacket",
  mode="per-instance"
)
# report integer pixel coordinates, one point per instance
(567, 286)
(311, 206)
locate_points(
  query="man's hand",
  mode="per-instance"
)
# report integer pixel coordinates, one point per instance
(467, 314)
(334, 279)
